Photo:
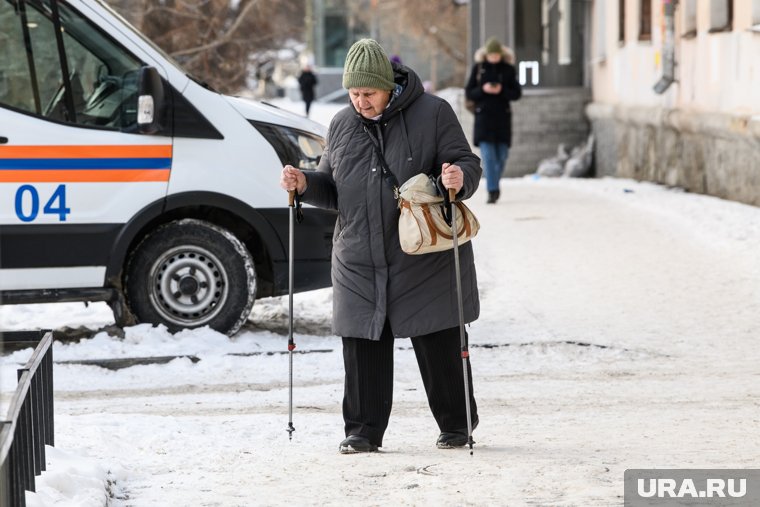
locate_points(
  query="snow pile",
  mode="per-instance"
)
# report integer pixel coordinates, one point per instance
(73, 480)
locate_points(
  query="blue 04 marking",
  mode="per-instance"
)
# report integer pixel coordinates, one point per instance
(56, 205)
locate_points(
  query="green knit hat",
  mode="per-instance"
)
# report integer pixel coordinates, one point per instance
(367, 66)
(493, 45)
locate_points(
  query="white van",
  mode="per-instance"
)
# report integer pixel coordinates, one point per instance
(124, 179)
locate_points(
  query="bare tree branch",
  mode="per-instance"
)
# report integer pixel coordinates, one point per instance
(222, 39)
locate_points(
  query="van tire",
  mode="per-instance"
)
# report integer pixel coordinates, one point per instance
(191, 273)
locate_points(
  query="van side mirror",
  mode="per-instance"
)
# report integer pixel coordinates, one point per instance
(150, 101)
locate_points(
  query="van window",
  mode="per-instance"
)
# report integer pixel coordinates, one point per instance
(86, 79)
(15, 77)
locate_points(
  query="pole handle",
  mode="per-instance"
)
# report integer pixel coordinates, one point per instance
(452, 195)
(291, 198)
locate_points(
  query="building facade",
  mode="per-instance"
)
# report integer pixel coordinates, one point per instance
(676, 93)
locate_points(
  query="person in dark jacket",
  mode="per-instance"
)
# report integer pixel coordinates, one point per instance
(379, 292)
(492, 86)
(307, 81)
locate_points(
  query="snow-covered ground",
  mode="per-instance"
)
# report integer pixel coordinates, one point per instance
(618, 330)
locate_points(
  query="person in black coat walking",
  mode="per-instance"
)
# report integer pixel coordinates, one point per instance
(307, 81)
(492, 86)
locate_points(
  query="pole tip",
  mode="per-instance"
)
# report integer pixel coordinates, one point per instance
(290, 430)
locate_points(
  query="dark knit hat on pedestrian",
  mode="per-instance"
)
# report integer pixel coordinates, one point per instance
(367, 66)
(493, 45)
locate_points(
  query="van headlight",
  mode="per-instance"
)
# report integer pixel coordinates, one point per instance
(295, 147)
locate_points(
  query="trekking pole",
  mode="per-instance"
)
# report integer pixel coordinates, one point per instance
(291, 343)
(462, 336)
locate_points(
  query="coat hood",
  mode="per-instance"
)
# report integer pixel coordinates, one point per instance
(412, 84)
(507, 54)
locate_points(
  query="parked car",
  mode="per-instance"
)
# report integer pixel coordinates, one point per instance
(124, 179)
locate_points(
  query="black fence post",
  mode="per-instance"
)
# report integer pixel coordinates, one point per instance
(5, 475)
(47, 371)
(26, 428)
(18, 497)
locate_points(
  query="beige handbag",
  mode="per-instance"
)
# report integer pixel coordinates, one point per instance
(422, 227)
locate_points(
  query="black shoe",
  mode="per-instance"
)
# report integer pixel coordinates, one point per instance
(356, 443)
(496, 195)
(451, 440)
(491, 198)
(454, 439)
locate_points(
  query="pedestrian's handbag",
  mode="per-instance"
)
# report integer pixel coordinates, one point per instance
(424, 225)
(469, 104)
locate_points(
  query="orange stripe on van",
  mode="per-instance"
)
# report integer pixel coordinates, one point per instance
(85, 176)
(99, 151)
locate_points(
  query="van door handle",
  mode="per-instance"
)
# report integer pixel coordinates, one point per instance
(3, 140)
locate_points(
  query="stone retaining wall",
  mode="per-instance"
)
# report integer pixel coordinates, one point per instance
(710, 153)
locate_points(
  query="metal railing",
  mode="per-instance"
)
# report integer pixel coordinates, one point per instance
(29, 425)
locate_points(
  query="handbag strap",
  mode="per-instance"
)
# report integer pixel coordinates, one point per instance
(392, 181)
(388, 175)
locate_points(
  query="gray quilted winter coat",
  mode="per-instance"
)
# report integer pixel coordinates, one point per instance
(373, 279)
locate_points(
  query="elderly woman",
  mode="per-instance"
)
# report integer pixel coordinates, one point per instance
(379, 292)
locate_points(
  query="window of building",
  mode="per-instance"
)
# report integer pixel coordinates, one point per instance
(689, 18)
(621, 21)
(564, 33)
(600, 33)
(645, 19)
(756, 15)
(721, 15)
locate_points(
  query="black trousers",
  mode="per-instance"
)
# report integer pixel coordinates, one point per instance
(368, 390)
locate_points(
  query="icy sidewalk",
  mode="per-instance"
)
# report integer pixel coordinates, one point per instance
(617, 330)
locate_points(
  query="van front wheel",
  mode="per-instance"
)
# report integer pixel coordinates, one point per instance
(191, 273)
